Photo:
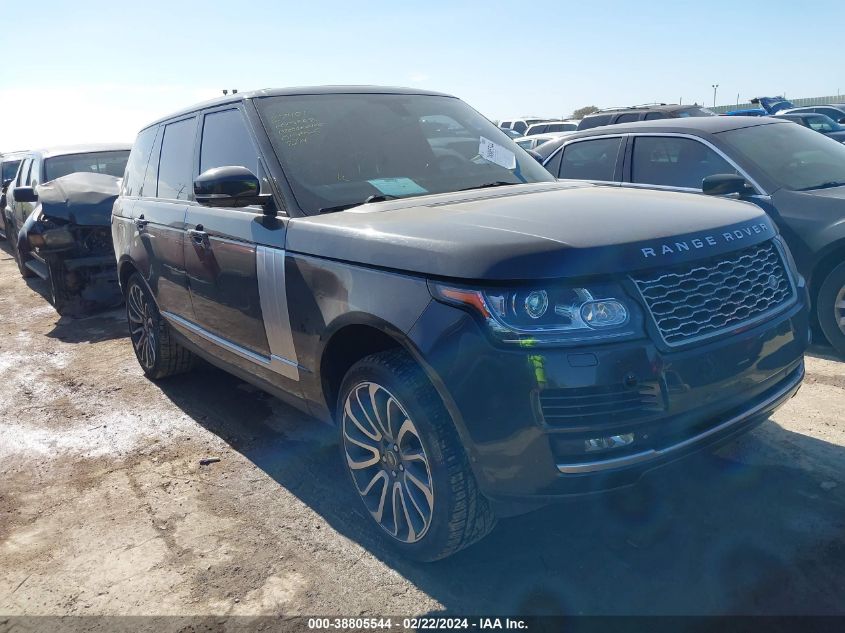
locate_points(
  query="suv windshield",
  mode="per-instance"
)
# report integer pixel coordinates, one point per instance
(339, 150)
(822, 123)
(792, 156)
(111, 163)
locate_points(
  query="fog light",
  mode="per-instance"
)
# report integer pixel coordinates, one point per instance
(604, 443)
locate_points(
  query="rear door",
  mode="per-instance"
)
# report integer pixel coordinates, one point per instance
(159, 215)
(222, 244)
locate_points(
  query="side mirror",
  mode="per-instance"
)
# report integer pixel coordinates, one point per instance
(231, 186)
(724, 184)
(535, 155)
(25, 194)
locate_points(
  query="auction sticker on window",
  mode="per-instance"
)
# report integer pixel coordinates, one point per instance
(495, 153)
(398, 187)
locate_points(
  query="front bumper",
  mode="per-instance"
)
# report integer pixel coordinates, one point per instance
(506, 401)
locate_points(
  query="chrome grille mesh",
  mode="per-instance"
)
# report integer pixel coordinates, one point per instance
(704, 298)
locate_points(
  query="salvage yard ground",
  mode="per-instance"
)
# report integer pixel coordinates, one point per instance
(105, 507)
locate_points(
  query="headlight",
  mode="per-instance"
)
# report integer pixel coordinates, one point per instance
(552, 314)
(58, 238)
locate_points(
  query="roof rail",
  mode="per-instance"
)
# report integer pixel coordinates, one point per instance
(634, 107)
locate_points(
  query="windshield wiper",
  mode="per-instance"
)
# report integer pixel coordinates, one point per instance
(496, 183)
(343, 207)
(825, 185)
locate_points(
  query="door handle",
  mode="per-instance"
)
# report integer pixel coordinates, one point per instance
(199, 236)
(141, 223)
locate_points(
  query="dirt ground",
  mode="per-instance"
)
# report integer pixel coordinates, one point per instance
(105, 508)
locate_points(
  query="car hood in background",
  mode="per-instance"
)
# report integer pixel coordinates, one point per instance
(535, 231)
(82, 198)
(773, 104)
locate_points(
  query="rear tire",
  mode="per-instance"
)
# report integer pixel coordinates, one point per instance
(830, 308)
(158, 354)
(406, 461)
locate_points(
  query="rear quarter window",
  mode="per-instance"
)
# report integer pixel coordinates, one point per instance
(177, 156)
(139, 157)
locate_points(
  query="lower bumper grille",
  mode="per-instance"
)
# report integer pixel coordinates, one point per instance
(583, 406)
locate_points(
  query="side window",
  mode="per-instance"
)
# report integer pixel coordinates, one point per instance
(23, 172)
(537, 129)
(32, 176)
(675, 162)
(177, 156)
(505, 125)
(654, 116)
(553, 166)
(628, 117)
(591, 160)
(525, 143)
(594, 121)
(520, 126)
(133, 178)
(226, 141)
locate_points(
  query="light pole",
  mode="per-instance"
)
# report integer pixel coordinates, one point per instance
(715, 88)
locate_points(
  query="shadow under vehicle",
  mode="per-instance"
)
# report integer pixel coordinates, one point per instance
(66, 241)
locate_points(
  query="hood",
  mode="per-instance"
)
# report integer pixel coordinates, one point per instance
(773, 104)
(536, 231)
(81, 198)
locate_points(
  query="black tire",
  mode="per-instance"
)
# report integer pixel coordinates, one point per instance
(25, 272)
(158, 354)
(830, 309)
(58, 293)
(459, 514)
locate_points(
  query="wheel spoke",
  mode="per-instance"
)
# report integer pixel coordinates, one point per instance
(373, 391)
(375, 435)
(412, 533)
(429, 497)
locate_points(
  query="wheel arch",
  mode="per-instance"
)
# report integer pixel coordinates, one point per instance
(334, 368)
(832, 257)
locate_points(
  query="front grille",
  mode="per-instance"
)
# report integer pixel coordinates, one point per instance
(702, 299)
(579, 406)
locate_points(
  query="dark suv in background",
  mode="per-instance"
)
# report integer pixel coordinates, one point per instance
(485, 338)
(649, 112)
(65, 239)
(794, 174)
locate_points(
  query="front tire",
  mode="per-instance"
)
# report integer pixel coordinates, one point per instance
(25, 272)
(406, 461)
(158, 354)
(830, 308)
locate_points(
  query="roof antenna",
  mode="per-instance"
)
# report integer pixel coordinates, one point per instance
(225, 92)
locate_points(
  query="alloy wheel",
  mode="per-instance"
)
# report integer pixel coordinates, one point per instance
(388, 462)
(839, 309)
(142, 327)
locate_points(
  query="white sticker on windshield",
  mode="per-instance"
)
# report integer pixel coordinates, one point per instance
(495, 153)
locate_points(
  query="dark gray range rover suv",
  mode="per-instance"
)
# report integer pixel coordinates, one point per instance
(485, 338)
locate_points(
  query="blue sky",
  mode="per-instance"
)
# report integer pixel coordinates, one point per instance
(97, 71)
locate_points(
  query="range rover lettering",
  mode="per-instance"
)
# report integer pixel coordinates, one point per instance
(485, 338)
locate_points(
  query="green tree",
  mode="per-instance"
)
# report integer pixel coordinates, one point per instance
(580, 113)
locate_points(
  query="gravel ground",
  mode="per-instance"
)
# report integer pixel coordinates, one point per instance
(105, 508)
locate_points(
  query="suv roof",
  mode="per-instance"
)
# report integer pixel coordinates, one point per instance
(663, 107)
(64, 150)
(299, 90)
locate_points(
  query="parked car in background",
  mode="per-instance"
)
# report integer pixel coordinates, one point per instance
(794, 174)
(531, 142)
(41, 166)
(835, 111)
(767, 106)
(550, 127)
(648, 112)
(485, 338)
(66, 240)
(818, 123)
(521, 125)
(9, 163)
